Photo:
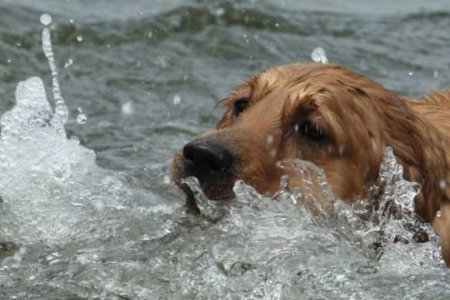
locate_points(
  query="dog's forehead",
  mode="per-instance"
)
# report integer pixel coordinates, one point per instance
(311, 76)
(300, 81)
(327, 87)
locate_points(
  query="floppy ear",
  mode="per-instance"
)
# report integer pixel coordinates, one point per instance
(421, 149)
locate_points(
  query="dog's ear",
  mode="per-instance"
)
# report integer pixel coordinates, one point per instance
(420, 148)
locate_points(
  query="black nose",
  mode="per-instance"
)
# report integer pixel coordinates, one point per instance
(205, 159)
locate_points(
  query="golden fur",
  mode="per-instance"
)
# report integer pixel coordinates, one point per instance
(358, 119)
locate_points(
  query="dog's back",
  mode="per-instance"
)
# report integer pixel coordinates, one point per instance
(435, 107)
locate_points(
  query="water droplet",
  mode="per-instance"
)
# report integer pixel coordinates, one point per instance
(75, 139)
(81, 118)
(161, 61)
(68, 63)
(277, 25)
(273, 152)
(340, 277)
(46, 19)
(176, 99)
(220, 11)
(80, 38)
(150, 34)
(99, 205)
(319, 55)
(443, 184)
(410, 73)
(108, 46)
(435, 73)
(19, 44)
(128, 108)
(9, 60)
(166, 179)
(71, 21)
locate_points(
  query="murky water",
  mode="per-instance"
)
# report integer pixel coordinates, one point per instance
(87, 209)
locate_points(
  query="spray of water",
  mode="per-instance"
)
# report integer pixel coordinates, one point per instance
(61, 111)
(318, 55)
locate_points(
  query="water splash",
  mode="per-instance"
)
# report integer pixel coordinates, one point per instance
(46, 19)
(318, 55)
(378, 232)
(393, 223)
(128, 108)
(61, 111)
(68, 63)
(81, 117)
(176, 99)
(212, 210)
(51, 189)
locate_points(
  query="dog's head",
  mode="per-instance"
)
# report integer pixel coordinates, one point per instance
(325, 114)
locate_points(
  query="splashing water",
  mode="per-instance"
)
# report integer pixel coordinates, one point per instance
(59, 212)
(282, 247)
(128, 108)
(81, 117)
(68, 63)
(176, 99)
(319, 55)
(51, 189)
(61, 112)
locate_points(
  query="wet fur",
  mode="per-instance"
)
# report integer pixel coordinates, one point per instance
(360, 116)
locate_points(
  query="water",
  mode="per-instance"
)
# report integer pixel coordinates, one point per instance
(87, 208)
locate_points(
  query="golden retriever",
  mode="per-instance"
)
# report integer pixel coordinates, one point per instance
(335, 118)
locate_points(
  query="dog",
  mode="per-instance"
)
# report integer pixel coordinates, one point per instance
(331, 116)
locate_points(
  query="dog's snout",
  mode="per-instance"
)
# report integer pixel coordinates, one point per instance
(206, 158)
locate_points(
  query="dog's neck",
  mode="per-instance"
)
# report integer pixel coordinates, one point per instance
(426, 156)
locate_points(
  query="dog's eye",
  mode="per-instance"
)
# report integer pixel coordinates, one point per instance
(311, 131)
(239, 106)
